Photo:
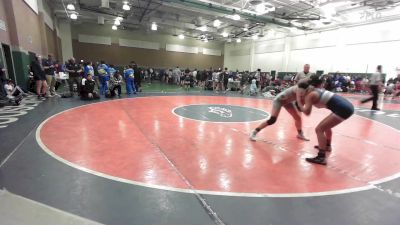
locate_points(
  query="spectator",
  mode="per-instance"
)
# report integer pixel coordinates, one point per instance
(202, 78)
(49, 69)
(39, 76)
(138, 72)
(12, 90)
(196, 75)
(111, 70)
(186, 79)
(168, 78)
(215, 79)
(129, 75)
(87, 89)
(177, 75)
(257, 76)
(88, 69)
(74, 71)
(226, 78)
(151, 74)
(104, 77)
(329, 83)
(253, 87)
(221, 80)
(115, 84)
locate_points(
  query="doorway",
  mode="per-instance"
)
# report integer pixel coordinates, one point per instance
(8, 62)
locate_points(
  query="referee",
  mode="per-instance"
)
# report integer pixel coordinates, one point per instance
(375, 82)
(304, 74)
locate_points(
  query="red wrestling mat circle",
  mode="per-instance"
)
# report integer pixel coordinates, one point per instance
(141, 141)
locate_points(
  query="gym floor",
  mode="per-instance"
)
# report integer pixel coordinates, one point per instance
(172, 157)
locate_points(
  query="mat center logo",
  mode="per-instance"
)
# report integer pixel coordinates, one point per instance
(222, 112)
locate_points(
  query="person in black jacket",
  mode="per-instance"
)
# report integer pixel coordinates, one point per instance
(138, 76)
(39, 76)
(74, 71)
(226, 78)
(87, 88)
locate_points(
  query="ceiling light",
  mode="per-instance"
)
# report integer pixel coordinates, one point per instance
(119, 18)
(326, 21)
(126, 6)
(217, 23)
(236, 17)
(245, 29)
(73, 16)
(271, 33)
(181, 36)
(238, 40)
(255, 37)
(296, 23)
(116, 22)
(269, 7)
(203, 28)
(263, 8)
(260, 8)
(224, 34)
(114, 27)
(329, 9)
(70, 7)
(153, 26)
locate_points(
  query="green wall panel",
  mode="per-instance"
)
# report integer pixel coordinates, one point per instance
(21, 60)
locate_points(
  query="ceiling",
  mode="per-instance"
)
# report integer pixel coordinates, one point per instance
(188, 17)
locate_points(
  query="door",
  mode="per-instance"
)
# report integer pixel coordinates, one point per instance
(8, 62)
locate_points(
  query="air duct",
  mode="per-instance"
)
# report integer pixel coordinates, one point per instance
(220, 8)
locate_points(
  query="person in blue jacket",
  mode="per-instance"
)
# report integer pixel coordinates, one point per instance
(104, 76)
(129, 75)
(111, 70)
(88, 69)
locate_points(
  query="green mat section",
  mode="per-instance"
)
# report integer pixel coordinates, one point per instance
(162, 87)
(155, 87)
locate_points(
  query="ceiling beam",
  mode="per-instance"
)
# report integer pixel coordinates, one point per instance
(145, 10)
(230, 11)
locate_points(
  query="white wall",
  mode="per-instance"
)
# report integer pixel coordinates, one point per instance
(155, 37)
(33, 4)
(349, 49)
(47, 13)
(239, 56)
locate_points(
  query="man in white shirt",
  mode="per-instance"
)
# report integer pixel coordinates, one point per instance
(304, 74)
(375, 82)
(177, 75)
(194, 73)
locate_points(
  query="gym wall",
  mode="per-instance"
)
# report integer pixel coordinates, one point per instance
(357, 49)
(4, 36)
(28, 30)
(155, 51)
